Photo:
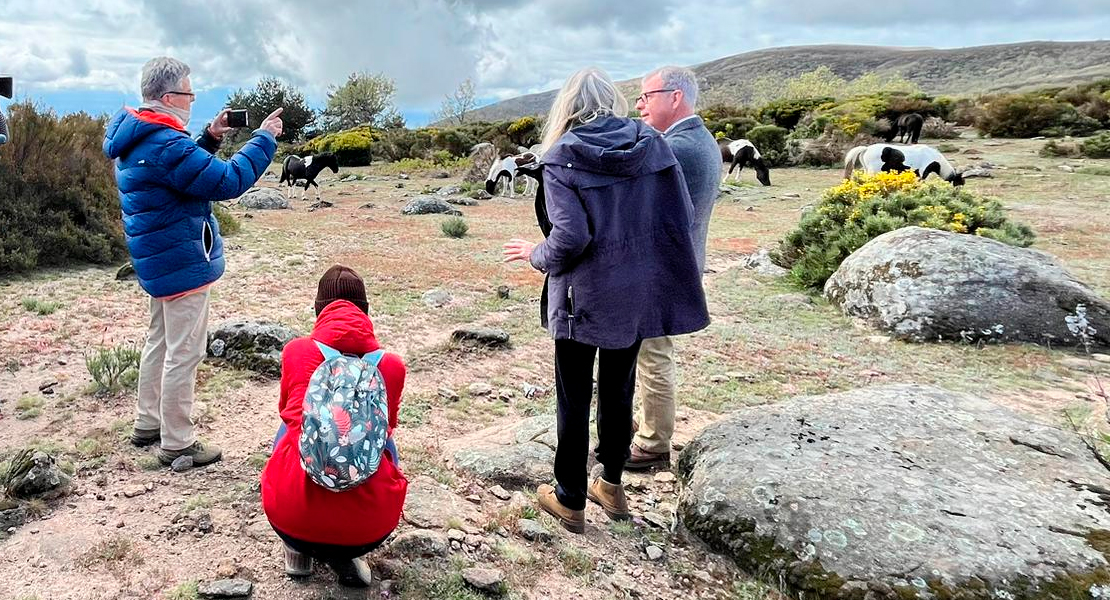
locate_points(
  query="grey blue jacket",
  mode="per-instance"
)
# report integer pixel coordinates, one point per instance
(619, 256)
(700, 157)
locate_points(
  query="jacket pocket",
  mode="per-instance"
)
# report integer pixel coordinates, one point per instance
(208, 239)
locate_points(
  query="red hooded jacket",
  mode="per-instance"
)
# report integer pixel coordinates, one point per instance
(294, 504)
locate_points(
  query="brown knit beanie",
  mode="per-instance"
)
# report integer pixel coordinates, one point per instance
(341, 283)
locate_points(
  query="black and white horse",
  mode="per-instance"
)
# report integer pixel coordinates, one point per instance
(295, 168)
(922, 160)
(740, 153)
(907, 129)
(508, 168)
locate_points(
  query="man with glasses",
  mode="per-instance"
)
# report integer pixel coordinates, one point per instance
(167, 183)
(667, 100)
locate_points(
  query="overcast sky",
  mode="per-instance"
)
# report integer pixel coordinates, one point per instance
(73, 54)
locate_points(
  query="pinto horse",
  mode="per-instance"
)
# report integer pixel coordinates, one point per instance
(508, 168)
(739, 153)
(295, 168)
(922, 160)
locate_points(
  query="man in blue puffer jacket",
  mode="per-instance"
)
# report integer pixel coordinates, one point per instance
(167, 183)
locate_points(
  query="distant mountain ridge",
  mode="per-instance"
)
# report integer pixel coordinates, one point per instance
(956, 71)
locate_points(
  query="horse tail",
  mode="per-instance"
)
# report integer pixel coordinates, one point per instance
(851, 158)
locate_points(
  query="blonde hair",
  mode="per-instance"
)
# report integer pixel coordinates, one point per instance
(587, 95)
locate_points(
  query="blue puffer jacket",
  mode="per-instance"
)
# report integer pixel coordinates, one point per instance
(167, 182)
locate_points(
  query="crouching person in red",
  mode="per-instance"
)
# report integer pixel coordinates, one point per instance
(332, 489)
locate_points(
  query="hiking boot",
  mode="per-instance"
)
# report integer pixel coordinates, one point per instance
(611, 498)
(145, 437)
(640, 459)
(202, 453)
(353, 573)
(573, 521)
(297, 564)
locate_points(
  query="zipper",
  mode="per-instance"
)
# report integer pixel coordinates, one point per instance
(570, 310)
(208, 240)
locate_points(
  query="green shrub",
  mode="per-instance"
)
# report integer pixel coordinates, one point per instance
(734, 128)
(787, 113)
(1097, 146)
(113, 369)
(454, 141)
(58, 199)
(1030, 115)
(867, 206)
(229, 225)
(40, 307)
(352, 147)
(455, 227)
(771, 142)
(398, 144)
(524, 131)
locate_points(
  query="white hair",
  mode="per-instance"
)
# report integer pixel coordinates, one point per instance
(678, 78)
(587, 95)
(162, 74)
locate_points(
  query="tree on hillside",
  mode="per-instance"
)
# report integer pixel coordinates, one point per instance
(266, 97)
(456, 106)
(365, 99)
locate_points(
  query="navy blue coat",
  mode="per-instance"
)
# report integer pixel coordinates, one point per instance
(167, 183)
(619, 257)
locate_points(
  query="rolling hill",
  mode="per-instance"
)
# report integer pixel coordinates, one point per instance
(956, 71)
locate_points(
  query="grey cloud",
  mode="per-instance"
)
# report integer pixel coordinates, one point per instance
(78, 62)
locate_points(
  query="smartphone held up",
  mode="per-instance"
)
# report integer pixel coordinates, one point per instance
(237, 118)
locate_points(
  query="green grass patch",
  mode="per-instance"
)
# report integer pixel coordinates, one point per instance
(184, 591)
(40, 307)
(576, 563)
(1098, 170)
(28, 407)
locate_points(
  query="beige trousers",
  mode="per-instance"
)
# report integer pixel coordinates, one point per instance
(176, 342)
(655, 373)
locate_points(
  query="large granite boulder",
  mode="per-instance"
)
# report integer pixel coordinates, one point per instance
(901, 492)
(925, 284)
(260, 198)
(519, 455)
(429, 205)
(251, 345)
(35, 474)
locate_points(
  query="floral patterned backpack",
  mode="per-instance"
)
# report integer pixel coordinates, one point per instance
(344, 424)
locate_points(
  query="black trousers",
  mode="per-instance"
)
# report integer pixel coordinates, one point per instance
(574, 382)
(328, 553)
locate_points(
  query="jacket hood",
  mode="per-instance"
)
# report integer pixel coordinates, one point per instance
(129, 127)
(615, 146)
(343, 327)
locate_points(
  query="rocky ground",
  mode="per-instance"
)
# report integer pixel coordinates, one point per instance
(131, 529)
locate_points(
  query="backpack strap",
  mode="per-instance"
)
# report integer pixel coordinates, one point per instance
(374, 357)
(328, 352)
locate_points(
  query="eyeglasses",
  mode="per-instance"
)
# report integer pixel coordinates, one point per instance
(189, 94)
(644, 96)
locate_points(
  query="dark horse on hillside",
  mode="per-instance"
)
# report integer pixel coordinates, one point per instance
(907, 129)
(295, 169)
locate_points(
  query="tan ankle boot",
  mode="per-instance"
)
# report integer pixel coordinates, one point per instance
(573, 521)
(610, 497)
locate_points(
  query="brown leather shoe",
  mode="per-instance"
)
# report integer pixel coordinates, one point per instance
(640, 459)
(573, 521)
(610, 497)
